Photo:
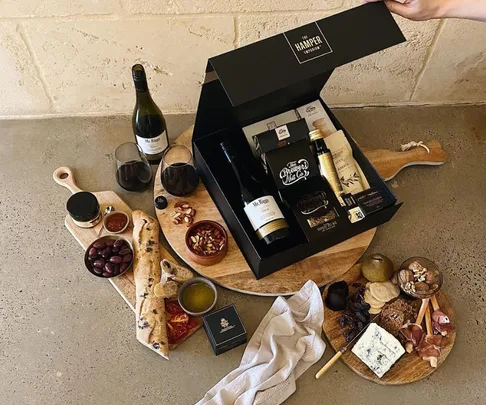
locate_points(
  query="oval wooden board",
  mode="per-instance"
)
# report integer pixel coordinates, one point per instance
(409, 368)
(233, 271)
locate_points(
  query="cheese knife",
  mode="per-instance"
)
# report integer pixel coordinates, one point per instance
(339, 353)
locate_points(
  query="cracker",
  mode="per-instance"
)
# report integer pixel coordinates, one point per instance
(384, 291)
(372, 300)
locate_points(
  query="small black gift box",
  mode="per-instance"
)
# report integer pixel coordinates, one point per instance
(225, 329)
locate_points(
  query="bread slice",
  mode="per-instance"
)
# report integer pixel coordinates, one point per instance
(176, 272)
(168, 289)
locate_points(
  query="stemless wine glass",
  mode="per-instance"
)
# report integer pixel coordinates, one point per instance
(179, 176)
(133, 171)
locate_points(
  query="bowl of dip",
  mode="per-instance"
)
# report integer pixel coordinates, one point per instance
(197, 296)
(116, 222)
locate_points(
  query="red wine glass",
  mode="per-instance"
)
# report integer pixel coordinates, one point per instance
(133, 171)
(179, 176)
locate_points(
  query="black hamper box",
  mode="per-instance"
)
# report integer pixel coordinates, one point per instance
(270, 77)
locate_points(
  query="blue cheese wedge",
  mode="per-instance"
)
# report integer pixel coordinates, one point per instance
(378, 349)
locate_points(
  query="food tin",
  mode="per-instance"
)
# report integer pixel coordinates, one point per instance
(84, 209)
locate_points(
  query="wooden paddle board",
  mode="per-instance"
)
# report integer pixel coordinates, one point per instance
(233, 271)
(124, 284)
(410, 367)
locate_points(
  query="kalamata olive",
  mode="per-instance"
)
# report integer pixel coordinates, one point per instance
(124, 251)
(100, 263)
(96, 270)
(92, 258)
(116, 269)
(106, 253)
(342, 322)
(99, 245)
(115, 249)
(127, 258)
(116, 259)
(110, 242)
(123, 267)
(106, 274)
(92, 252)
(100, 251)
(109, 267)
(119, 243)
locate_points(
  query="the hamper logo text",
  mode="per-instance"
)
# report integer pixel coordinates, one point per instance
(308, 42)
(294, 171)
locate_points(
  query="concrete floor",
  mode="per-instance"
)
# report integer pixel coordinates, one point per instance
(68, 338)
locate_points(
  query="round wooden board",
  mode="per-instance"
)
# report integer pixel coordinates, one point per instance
(233, 271)
(409, 368)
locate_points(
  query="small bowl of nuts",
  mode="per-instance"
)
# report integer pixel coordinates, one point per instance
(420, 277)
(206, 242)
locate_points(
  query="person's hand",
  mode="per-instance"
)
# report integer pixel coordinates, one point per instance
(420, 10)
(417, 10)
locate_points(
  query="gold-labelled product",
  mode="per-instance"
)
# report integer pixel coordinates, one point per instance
(271, 227)
(259, 205)
(351, 178)
(326, 163)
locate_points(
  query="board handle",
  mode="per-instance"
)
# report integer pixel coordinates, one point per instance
(329, 364)
(389, 163)
(64, 177)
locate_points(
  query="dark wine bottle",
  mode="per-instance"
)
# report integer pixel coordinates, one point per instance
(148, 122)
(259, 205)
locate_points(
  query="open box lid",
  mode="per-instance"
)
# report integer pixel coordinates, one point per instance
(296, 56)
(274, 75)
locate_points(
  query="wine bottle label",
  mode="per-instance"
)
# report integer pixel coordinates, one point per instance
(153, 146)
(262, 211)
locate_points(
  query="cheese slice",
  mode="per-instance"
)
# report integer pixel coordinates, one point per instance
(378, 349)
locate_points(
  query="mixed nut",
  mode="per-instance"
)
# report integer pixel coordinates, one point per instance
(418, 279)
(206, 240)
(183, 214)
(109, 258)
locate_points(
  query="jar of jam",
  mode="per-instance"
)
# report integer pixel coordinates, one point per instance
(84, 209)
(116, 222)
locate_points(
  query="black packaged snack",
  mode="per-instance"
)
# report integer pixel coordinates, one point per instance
(285, 154)
(316, 208)
(372, 200)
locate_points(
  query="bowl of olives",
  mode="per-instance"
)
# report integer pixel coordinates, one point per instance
(109, 256)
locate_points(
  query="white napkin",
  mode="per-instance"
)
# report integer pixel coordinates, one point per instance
(286, 343)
